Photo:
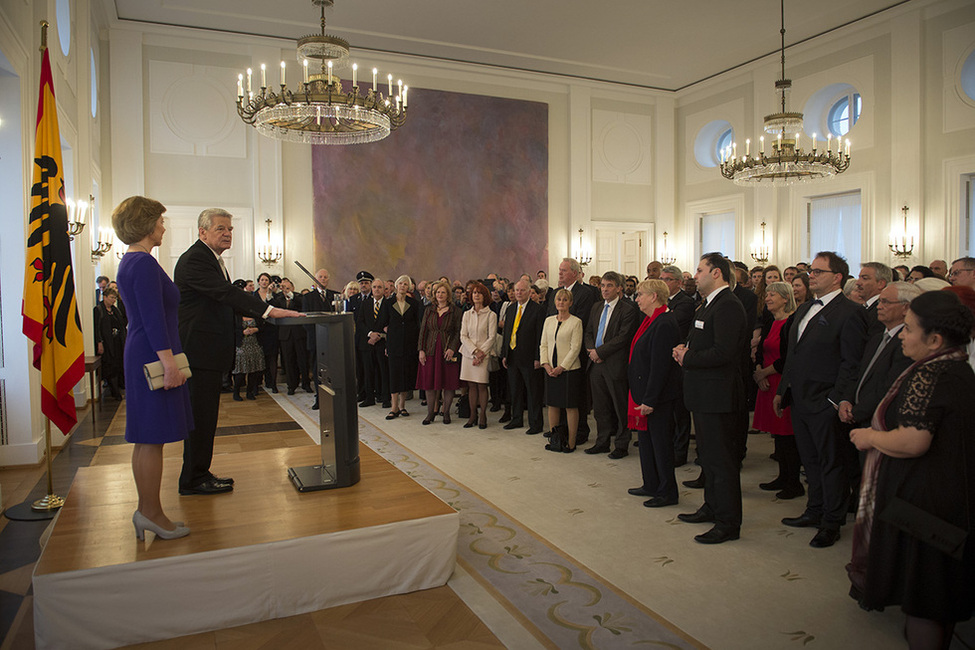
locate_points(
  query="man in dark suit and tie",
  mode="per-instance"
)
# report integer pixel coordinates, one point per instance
(364, 278)
(873, 277)
(583, 298)
(373, 349)
(209, 310)
(683, 307)
(291, 340)
(519, 354)
(825, 347)
(319, 299)
(714, 393)
(883, 358)
(606, 341)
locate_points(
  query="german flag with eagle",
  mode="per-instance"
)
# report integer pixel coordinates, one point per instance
(50, 307)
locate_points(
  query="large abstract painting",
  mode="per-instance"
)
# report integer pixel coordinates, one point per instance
(460, 190)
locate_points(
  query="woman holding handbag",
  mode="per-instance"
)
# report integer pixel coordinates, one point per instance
(153, 417)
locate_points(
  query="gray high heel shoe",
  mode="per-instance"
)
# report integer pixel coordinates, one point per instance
(142, 524)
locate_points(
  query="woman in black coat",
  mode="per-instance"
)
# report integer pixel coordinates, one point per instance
(655, 385)
(400, 319)
(110, 331)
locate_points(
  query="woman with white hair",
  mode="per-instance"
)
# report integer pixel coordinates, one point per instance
(400, 318)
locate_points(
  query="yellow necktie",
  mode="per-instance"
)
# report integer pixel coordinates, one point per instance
(514, 329)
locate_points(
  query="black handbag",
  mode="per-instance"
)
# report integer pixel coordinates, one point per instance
(926, 527)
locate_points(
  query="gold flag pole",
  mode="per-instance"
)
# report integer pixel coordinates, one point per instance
(51, 501)
(44, 26)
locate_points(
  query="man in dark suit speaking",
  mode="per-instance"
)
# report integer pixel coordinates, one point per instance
(208, 311)
(715, 395)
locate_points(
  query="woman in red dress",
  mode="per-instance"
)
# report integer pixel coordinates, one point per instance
(769, 361)
(439, 343)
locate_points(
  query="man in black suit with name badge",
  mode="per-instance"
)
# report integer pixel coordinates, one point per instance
(825, 348)
(612, 324)
(519, 354)
(209, 309)
(715, 395)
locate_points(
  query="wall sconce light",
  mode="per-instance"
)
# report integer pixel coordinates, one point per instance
(901, 244)
(269, 254)
(582, 255)
(106, 238)
(666, 256)
(760, 250)
(77, 215)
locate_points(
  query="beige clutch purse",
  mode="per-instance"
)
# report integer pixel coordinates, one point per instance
(155, 374)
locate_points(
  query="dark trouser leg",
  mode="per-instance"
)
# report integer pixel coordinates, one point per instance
(253, 381)
(718, 450)
(606, 424)
(369, 387)
(585, 405)
(301, 356)
(658, 457)
(535, 385)
(289, 357)
(518, 391)
(239, 380)
(271, 364)
(382, 363)
(682, 430)
(788, 455)
(820, 450)
(198, 447)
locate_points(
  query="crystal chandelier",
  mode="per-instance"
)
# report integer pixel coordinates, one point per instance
(320, 110)
(787, 163)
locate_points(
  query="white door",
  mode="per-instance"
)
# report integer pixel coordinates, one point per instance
(621, 247)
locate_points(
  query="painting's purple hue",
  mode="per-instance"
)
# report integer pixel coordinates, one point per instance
(460, 190)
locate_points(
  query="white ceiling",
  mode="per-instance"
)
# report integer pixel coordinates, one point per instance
(666, 44)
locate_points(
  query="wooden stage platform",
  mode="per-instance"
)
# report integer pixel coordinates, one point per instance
(263, 551)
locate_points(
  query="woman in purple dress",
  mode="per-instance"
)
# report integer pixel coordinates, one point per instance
(152, 417)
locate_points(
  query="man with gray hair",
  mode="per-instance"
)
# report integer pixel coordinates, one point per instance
(607, 338)
(963, 272)
(683, 307)
(873, 278)
(210, 309)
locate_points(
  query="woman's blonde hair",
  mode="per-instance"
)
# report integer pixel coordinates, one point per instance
(446, 286)
(135, 218)
(564, 293)
(658, 287)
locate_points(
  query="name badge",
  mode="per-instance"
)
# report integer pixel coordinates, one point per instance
(699, 324)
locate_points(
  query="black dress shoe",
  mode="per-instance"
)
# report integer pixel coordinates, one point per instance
(616, 454)
(597, 450)
(790, 493)
(387, 405)
(368, 402)
(533, 432)
(700, 517)
(238, 398)
(513, 425)
(772, 486)
(717, 536)
(207, 487)
(275, 390)
(291, 391)
(505, 417)
(660, 502)
(228, 480)
(639, 492)
(495, 408)
(697, 483)
(548, 434)
(804, 520)
(583, 438)
(426, 421)
(825, 538)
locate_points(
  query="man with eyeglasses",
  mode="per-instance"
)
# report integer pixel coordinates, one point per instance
(825, 348)
(963, 272)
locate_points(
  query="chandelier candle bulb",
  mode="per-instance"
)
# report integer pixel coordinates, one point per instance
(397, 103)
(329, 73)
(814, 142)
(248, 80)
(305, 63)
(283, 78)
(748, 147)
(375, 71)
(399, 86)
(240, 86)
(406, 93)
(355, 75)
(263, 76)
(761, 142)
(389, 78)
(847, 148)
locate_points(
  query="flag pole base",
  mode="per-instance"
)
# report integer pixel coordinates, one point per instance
(50, 502)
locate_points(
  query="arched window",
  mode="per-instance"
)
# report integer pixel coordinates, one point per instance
(63, 13)
(723, 144)
(844, 113)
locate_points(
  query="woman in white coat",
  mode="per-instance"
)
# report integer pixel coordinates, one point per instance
(478, 329)
(559, 354)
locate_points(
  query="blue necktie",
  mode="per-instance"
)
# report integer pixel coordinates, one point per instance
(602, 325)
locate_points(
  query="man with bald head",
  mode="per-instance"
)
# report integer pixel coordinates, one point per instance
(653, 270)
(940, 268)
(519, 355)
(318, 299)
